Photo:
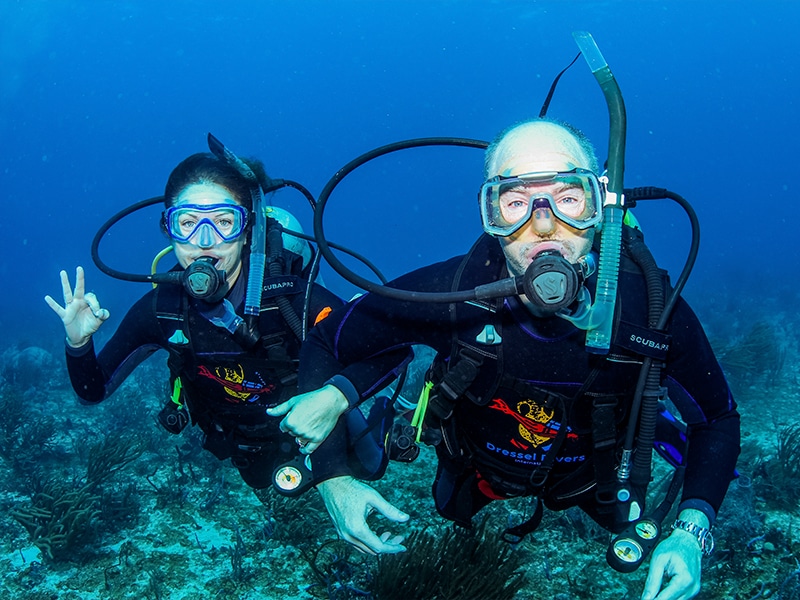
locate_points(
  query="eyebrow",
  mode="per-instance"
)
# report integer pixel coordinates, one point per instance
(216, 209)
(561, 186)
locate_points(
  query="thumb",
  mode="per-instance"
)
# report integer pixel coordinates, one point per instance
(280, 410)
(388, 510)
(100, 313)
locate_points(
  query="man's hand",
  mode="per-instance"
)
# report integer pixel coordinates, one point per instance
(81, 313)
(677, 558)
(311, 417)
(349, 502)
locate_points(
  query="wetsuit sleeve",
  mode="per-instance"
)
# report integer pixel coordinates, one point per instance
(698, 388)
(371, 375)
(355, 340)
(366, 342)
(95, 377)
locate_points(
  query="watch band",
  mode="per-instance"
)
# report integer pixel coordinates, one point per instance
(703, 535)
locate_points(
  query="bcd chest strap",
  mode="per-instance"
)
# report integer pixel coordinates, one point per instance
(453, 383)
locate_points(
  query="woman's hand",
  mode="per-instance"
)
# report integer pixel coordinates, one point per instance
(311, 417)
(81, 313)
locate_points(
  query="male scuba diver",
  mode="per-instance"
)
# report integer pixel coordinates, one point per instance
(516, 406)
(231, 314)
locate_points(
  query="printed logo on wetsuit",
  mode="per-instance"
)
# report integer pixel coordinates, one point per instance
(536, 427)
(238, 389)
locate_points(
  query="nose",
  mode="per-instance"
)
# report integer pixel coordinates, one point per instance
(205, 236)
(543, 221)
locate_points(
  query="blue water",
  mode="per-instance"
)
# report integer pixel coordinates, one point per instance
(100, 100)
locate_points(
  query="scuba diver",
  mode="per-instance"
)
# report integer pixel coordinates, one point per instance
(231, 314)
(516, 406)
(517, 402)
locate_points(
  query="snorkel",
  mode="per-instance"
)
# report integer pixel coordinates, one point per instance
(267, 248)
(598, 320)
(255, 276)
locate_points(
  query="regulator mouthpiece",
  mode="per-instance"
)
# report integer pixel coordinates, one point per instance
(203, 281)
(551, 283)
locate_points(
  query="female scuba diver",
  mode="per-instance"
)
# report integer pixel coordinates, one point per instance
(225, 369)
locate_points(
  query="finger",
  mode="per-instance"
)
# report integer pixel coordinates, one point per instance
(99, 313)
(359, 545)
(80, 282)
(671, 591)
(66, 288)
(678, 588)
(55, 306)
(370, 543)
(309, 447)
(389, 511)
(654, 578)
(388, 538)
(388, 546)
(286, 427)
(279, 411)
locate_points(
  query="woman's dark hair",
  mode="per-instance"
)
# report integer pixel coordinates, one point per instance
(204, 167)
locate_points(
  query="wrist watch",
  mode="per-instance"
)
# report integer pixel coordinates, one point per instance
(703, 535)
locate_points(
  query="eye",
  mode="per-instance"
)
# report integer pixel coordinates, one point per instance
(187, 223)
(515, 199)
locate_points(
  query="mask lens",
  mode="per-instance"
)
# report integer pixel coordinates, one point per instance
(573, 197)
(189, 221)
(576, 198)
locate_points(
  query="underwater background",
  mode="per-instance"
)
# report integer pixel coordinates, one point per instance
(100, 100)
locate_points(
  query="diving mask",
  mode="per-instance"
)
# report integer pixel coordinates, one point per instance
(197, 224)
(574, 197)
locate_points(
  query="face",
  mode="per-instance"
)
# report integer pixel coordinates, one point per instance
(544, 147)
(226, 256)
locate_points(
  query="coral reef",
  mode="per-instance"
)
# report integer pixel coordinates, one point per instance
(26, 435)
(61, 516)
(756, 356)
(780, 474)
(450, 565)
(170, 521)
(60, 519)
(296, 521)
(790, 586)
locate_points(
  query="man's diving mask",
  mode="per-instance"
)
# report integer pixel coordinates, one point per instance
(205, 225)
(574, 197)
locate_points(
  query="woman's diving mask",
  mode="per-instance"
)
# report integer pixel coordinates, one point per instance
(205, 225)
(574, 197)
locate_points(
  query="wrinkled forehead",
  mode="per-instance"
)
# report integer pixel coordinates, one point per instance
(544, 147)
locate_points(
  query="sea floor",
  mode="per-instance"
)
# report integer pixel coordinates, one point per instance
(172, 522)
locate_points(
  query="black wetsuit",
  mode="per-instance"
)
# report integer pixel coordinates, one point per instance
(226, 388)
(508, 435)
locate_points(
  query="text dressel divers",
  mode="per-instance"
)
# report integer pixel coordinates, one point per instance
(531, 458)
